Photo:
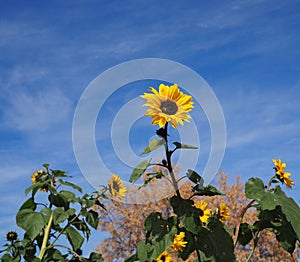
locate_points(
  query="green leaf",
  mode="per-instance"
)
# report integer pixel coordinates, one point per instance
(75, 239)
(153, 144)
(66, 183)
(132, 258)
(157, 175)
(185, 146)
(195, 177)
(58, 200)
(92, 218)
(46, 166)
(34, 188)
(95, 257)
(163, 244)
(60, 215)
(209, 190)
(144, 251)
(29, 204)
(245, 234)
(187, 213)
(32, 222)
(255, 189)
(139, 170)
(216, 242)
(289, 208)
(68, 195)
(59, 173)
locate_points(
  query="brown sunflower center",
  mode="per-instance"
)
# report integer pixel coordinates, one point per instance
(115, 186)
(169, 107)
(163, 258)
(201, 212)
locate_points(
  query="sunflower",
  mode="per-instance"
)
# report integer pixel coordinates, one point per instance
(11, 236)
(116, 186)
(223, 212)
(178, 243)
(280, 173)
(164, 257)
(205, 213)
(168, 104)
(41, 176)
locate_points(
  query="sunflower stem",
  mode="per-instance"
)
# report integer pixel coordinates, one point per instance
(169, 163)
(46, 237)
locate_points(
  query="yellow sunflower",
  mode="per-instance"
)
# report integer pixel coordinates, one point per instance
(223, 212)
(178, 243)
(41, 176)
(168, 104)
(283, 176)
(205, 212)
(164, 257)
(116, 186)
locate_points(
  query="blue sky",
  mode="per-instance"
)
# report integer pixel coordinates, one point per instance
(248, 52)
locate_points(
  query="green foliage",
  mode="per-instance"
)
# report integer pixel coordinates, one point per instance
(139, 170)
(184, 146)
(276, 213)
(64, 214)
(153, 145)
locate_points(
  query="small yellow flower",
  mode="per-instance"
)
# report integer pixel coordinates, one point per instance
(283, 176)
(116, 186)
(178, 243)
(168, 104)
(223, 212)
(205, 212)
(164, 257)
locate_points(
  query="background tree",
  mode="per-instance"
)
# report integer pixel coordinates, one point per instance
(125, 222)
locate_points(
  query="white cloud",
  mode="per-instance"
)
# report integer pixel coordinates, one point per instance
(27, 111)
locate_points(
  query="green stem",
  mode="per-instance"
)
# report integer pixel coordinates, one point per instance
(169, 163)
(254, 246)
(46, 237)
(70, 250)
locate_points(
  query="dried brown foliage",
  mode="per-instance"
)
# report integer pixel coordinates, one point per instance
(125, 223)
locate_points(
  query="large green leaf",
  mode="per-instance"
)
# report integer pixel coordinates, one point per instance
(216, 242)
(32, 222)
(29, 204)
(289, 208)
(92, 218)
(187, 213)
(75, 239)
(255, 188)
(245, 234)
(60, 215)
(139, 170)
(153, 144)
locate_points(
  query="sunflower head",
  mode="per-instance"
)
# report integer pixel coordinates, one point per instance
(179, 243)
(205, 213)
(223, 212)
(168, 104)
(116, 186)
(11, 236)
(164, 257)
(284, 177)
(42, 176)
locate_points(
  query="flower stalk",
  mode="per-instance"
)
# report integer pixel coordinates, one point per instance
(46, 237)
